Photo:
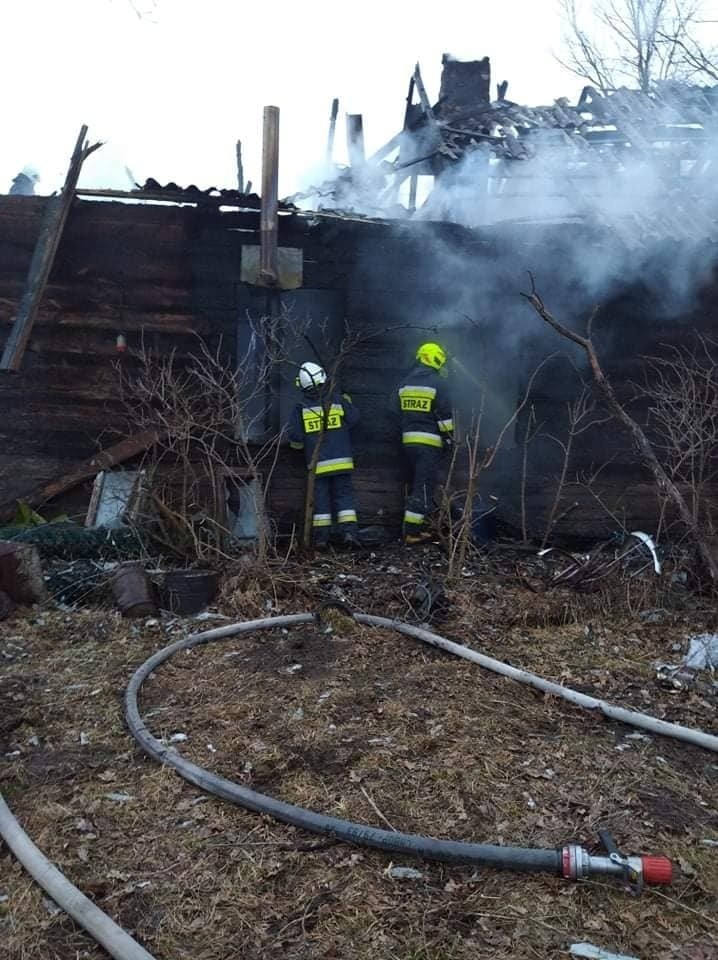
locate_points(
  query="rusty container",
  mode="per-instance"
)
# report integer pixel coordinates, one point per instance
(133, 591)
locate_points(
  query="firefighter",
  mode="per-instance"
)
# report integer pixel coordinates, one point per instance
(427, 428)
(325, 418)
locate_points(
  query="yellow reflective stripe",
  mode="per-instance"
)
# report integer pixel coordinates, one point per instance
(332, 466)
(322, 520)
(296, 444)
(347, 516)
(417, 391)
(419, 436)
(411, 517)
(446, 426)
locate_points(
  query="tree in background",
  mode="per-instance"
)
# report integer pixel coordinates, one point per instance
(612, 43)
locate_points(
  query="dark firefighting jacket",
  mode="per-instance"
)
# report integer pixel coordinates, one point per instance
(425, 405)
(305, 429)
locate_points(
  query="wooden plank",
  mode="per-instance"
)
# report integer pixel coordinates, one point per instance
(240, 167)
(95, 499)
(332, 129)
(409, 100)
(269, 226)
(56, 213)
(413, 183)
(425, 104)
(106, 459)
(384, 151)
(355, 140)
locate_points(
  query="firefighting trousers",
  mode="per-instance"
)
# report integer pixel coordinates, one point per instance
(424, 464)
(333, 500)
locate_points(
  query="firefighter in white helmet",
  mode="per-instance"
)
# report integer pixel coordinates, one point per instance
(326, 420)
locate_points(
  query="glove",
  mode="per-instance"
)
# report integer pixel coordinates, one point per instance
(449, 442)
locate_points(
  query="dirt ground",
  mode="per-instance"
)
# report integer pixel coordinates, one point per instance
(370, 726)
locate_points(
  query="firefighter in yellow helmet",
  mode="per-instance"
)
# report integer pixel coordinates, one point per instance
(427, 428)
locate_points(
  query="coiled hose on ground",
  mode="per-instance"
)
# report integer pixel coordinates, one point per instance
(571, 861)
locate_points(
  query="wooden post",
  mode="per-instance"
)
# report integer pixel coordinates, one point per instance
(269, 225)
(355, 139)
(332, 129)
(43, 258)
(412, 193)
(240, 167)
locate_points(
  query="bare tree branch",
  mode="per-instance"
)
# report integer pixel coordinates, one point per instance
(665, 483)
(635, 41)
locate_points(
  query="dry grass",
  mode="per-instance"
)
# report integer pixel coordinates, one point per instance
(373, 728)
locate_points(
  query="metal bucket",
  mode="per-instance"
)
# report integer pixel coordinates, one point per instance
(189, 591)
(133, 591)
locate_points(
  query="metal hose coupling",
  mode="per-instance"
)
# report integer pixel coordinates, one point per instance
(576, 863)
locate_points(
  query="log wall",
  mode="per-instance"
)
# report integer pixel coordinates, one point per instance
(168, 274)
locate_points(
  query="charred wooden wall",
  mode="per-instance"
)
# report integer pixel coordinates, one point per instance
(169, 274)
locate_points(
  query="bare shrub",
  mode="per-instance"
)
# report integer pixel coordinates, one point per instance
(203, 410)
(681, 388)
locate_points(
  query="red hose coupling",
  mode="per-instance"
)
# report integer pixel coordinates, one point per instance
(657, 871)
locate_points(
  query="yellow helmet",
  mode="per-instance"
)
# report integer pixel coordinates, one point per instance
(432, 355)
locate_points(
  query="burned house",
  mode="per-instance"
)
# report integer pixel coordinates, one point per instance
(514, 190)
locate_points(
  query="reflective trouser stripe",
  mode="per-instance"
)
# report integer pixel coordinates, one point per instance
(296, 445)
(347, 516)
(322, 520)
(334, 466)
(410, 516)
(419, 436)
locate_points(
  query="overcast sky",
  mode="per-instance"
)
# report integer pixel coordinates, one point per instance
(171, 92)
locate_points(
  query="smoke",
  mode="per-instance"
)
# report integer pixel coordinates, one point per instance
(638, 213)
(628, 230)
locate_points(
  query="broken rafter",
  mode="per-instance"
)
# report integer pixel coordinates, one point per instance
(384, 151)
(421, 90)
(43, 258)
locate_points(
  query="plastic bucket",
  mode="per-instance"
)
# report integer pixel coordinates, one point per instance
(189, 591)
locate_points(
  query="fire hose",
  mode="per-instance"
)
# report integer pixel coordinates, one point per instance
(571, 861)
(102, 928)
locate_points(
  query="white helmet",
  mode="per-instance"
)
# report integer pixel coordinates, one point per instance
(311, 375)
(32, 173)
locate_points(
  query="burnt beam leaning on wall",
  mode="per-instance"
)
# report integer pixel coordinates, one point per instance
(104, 460)
(43, 258)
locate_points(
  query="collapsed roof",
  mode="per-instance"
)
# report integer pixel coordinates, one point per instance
(639, 162)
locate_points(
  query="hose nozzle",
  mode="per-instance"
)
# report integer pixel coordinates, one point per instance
(576, 863)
